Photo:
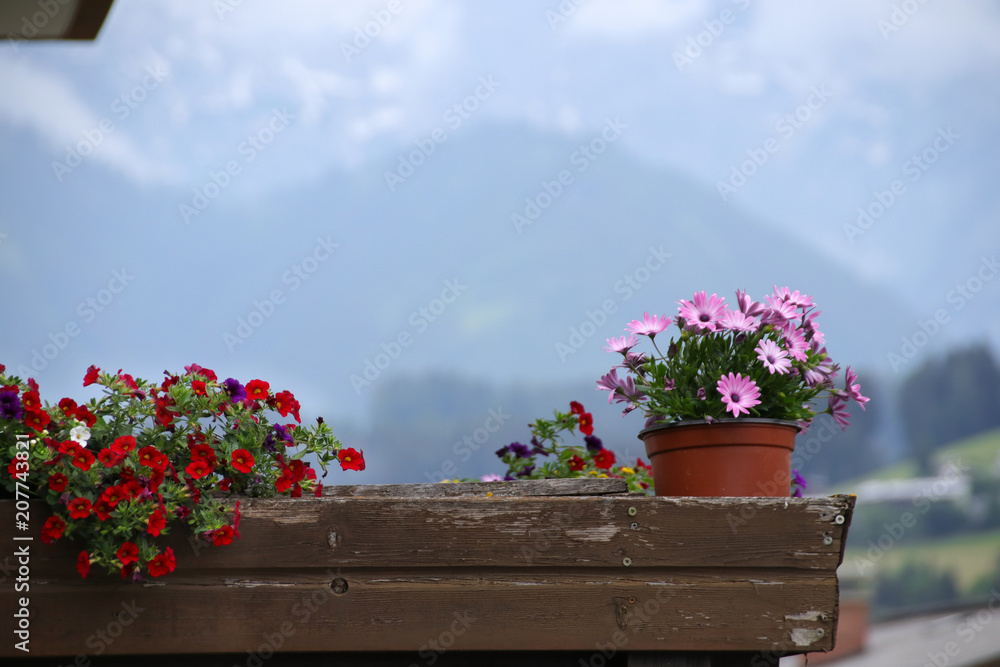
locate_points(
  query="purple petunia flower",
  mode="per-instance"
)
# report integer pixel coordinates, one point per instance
(283, 433)
(704, 313)
(527, 470)
(798, 484)
(235, 390)
(594, 443)
(738, 393)
(268, 443)
(522, 451)
(503, 451)
(10, 405)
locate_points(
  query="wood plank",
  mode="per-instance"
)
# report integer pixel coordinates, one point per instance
(603, 610)
(531, 487)
(591, 531)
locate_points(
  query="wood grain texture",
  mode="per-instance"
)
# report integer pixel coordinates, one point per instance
(377, 573)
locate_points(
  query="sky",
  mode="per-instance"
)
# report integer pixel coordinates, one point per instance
(864, 131)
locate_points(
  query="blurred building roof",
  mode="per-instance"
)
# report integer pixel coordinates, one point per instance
(52, 19)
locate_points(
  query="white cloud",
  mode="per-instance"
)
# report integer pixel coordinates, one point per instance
(628, 20)
(49, 105)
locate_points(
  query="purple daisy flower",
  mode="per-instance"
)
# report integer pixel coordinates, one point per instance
(491, 477)
(738, 393)
(648, 326)
(235, 390)
(702, 395)
(780, 312)
(703, 313)
(775, 359)
(795, 343)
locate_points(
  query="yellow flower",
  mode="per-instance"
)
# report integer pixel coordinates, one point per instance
(592, 473)
(627, 471)
(602, 475)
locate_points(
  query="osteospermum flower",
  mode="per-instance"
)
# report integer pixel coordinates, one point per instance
(703, 313)
(738, 393)
(748, 306)
(780, 311)
(623, 344)
(837, 407)
(854, 390)
(795, 343)
(795, 298)
(491, 477)
(610, 383)
(774, 358)
(648, 326)
(734, 320)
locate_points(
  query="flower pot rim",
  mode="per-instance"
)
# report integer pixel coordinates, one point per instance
(730, 420)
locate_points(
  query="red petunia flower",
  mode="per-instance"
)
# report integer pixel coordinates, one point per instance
(203, 453)
(17, 467)
(132, 488)
(243, 460)
(58, 482)
(351, 459)
(198, 387)
(79, 508)
(128, 553)
(257, 390)
(225, 483)
(83, 459)
(221, 537)
(586, 423)
(68, 406)
(162, 564)
(53, 529)
(195, 369)
(108, 457)
(92, 376)
(114, 495)
(151, 457)
(156, 523)
(284, 403)
(575, 408)
(604, 459)
(31, 401)
(83, 564)
(37, 419)
(639, 463)
(102, 510)
(576, 463)
(84, 414)
(284, 481)
(123, 444)
(199, 468)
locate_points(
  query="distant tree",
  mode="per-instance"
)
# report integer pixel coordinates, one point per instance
(950, 398)
(914, 584)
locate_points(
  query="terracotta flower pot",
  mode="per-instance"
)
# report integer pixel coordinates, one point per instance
(730, 457)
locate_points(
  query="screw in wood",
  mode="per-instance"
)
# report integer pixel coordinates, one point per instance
(632, 511)
(339, 586)
(634, 525)
(827, 540)
(626, 561)
(839, 519)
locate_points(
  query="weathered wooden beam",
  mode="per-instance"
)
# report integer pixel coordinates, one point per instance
(533, 487)
(605, 573)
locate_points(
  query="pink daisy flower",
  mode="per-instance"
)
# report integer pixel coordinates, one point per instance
(738, 393)
(622, 344)
(775, 359)
(703, 313)
(648, 326)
